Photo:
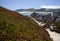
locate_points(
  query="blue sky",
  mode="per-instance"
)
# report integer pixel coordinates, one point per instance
(23, 4)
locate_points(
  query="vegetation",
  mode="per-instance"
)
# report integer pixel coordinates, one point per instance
(15, 27)
(57, 26)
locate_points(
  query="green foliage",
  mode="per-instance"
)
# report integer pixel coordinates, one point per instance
(57, 26)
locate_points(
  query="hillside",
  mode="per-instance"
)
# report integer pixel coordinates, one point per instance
(38, 10)
(15, 27)
(57, 27)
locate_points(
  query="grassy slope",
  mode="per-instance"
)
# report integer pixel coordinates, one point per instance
(15, 27)
(57, 26)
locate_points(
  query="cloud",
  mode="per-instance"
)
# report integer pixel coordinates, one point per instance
(50, 7)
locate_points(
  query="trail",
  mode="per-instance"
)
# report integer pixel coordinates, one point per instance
(55, 36)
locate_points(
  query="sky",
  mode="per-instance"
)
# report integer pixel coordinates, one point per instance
(24, 4)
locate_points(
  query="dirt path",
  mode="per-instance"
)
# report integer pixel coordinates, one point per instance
(55, 36)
